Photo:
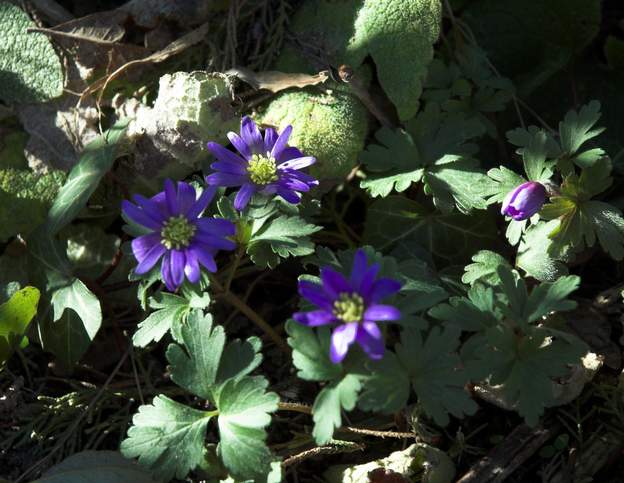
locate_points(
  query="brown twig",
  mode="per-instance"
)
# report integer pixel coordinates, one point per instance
(251, 314)
(342, 447)
(305, 409)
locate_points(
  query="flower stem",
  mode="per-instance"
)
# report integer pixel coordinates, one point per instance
(245, 309)
(235, 263)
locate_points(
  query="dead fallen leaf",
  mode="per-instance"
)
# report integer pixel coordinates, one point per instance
(275, 81)
(174, 48)
(186, 13)
(58, 132)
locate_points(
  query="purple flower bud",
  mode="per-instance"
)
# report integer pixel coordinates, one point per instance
(524, 201)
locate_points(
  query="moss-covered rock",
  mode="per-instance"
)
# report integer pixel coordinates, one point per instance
(330, 125)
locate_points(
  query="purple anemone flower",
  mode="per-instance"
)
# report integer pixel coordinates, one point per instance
(353, 304)
(264, 165)
(178, 235)
(524, 200)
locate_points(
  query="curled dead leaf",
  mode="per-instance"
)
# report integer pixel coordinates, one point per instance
(275, 81)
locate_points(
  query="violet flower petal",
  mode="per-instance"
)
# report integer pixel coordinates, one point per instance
(243, 196)
(314, 318)
(371, 340)
(341, 339)
(239, 144)
(251, 135)
(380, 312)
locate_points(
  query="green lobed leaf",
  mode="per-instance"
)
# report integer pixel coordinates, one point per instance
(387, 389)
(171, 310)
(96, 467)
(576, 129)
(434, 369)
(406, 168)
(195, 369)
(433, 149)
(71, 314)
(270, 229)
(525, 366)
(329, 403)
(524, 308)
(244, 411)
(281, 237)
(468, 85)
(473, 313)
(484, 269)
(534, 253)
(239, 358)
(505, 180)
(582, 220)
(311, 352)
(30, 70)
(15, 317)
(551, 297)
(167, 437)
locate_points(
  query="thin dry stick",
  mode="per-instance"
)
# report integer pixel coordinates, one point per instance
(343, 447)
(68, 432)
(234, 301)
(379, 434)
(305, 409)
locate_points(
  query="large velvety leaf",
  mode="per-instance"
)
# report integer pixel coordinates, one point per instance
(399, 36)
(30, 70)
(15, 316)
(530, 41)
(97, 159)
(25, 197)
(451, 237)
(244, 411)
(167, 437)
(96, 467)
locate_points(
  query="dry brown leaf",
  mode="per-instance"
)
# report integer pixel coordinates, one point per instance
(174, 48)
(58, 131)
(275, 81)
(186, 13)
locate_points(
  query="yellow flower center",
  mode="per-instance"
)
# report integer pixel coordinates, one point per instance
(177, 232)
(349, 307)
(262, 169)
